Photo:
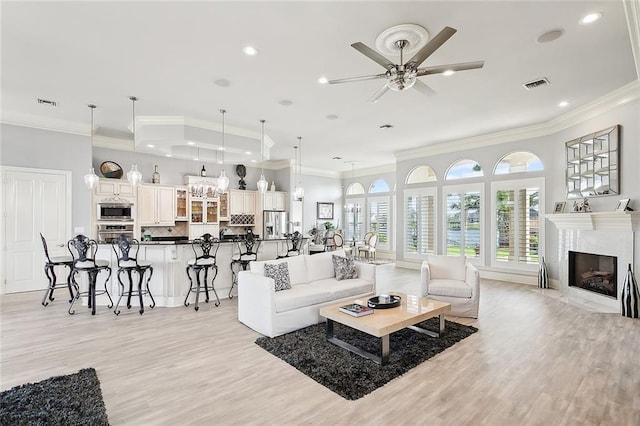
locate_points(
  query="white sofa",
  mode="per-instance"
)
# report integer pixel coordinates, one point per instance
(313, 284)
(453, 280)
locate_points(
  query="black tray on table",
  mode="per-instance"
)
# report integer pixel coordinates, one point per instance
(375, 303)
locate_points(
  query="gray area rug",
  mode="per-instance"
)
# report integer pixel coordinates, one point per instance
(74, 399)
(349, 375)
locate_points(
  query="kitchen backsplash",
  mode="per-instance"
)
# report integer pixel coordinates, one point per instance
(180, 229)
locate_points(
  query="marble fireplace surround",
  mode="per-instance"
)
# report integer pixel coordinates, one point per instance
(604, 233)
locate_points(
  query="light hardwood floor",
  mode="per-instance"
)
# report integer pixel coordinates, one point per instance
(535, 360)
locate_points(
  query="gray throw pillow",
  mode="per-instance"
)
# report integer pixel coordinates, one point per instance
(344, 268)
(280, 274)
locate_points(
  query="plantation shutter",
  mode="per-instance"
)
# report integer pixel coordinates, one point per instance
(420, 223)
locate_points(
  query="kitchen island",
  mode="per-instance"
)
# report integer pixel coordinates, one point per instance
(169, 283)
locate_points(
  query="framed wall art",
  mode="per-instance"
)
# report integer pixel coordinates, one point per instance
(325, 210)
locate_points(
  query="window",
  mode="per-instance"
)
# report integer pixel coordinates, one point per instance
(378, 186)
(379, 208)
(421, 174)
(354, 214)
(355, 189)
(520, 161)
(463, 221)
(464, 169)
(420, 219)
(517, 226)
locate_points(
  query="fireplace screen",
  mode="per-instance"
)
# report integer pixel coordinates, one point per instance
(594, 272)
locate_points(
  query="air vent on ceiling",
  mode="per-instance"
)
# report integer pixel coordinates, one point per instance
(536, 83)
(386, 126)
(46, 102)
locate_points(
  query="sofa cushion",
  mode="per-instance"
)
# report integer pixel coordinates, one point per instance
(451, 288)
(344, 268)
(320, 266)
(301, 296)
(344, 288)
(448, 267)
(296, 264)
(280, 275)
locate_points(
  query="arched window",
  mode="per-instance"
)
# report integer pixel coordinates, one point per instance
(355, 189)
(464, 169)
(519, 161)
(421, 174)
(379, 185)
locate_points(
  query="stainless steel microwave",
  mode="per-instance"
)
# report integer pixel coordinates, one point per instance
(116, 211)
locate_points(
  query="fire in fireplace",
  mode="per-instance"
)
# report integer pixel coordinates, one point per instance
(594, 272)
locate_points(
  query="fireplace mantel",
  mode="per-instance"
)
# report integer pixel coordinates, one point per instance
(597, 221)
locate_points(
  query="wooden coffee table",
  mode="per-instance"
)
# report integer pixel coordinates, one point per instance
(383, 322)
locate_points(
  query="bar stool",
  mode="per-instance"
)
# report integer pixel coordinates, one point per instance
(247, 251)
(293, 241)
(128, 264)
(83, 250)
(49, 271)
(205, 249)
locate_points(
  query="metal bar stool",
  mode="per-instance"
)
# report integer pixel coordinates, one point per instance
(83, 249)
(128, 264)
(247, 252)
(294, 243)
(49, 271)
(205, 249)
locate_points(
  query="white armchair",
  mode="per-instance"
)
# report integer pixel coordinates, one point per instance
(453, 280)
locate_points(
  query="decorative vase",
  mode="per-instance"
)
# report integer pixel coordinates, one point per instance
(273, 186)
(543, 277)
(630, 296)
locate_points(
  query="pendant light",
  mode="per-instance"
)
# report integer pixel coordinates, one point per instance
(299, 190)
(134, 176)
(262, 183)
(91, 178)
(223, 180)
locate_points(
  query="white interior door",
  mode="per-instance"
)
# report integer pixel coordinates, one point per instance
(35, 201)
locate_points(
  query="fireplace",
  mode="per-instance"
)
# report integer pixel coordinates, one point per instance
(594, 272)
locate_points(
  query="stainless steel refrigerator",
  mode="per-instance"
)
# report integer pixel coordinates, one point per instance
(275, 224)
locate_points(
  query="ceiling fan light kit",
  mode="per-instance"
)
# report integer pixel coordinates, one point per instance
(405, 75)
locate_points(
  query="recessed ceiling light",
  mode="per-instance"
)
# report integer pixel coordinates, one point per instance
(150, 145)
(222, 82)
(332, 117)
(191, 143)
(248, 152)
(250, 51)
(168, 155)
(285, 102)
(253, 161)
(221, 148)
(219, 161)
(591, 17)
(323, 80)
(550, 36)
(447, 73)
(563, 104)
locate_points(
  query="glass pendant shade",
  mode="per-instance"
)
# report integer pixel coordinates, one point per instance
(262, 184)
(91, 179)
(299, 193)
(223, 181)
(134, 176)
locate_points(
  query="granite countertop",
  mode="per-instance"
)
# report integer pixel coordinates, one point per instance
(178, 242)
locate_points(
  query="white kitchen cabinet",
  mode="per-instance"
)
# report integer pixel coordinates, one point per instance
(181, 204)
(242, 202)
(275, 200)
(114, 188)
(156, 205)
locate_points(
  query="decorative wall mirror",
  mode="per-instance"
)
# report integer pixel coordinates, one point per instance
(592, 164)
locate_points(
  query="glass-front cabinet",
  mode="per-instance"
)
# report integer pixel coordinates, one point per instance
(181, 204)
(224, 206)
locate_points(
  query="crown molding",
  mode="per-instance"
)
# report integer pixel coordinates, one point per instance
(388, 168)
(623, 95)
(44, 123)
(112, 143)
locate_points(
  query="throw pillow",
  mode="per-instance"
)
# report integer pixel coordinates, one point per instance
(344, 268)
(280, 274)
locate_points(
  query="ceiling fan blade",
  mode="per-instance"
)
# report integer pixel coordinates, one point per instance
(431, 47)
(363, 78)
(373, 55)
(376, 96)
(453, 67)
(421, 87)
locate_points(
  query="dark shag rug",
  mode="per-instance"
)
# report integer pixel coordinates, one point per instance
(352, 376)
(74, 399)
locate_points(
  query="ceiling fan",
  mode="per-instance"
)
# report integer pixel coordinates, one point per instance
(405, 75)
